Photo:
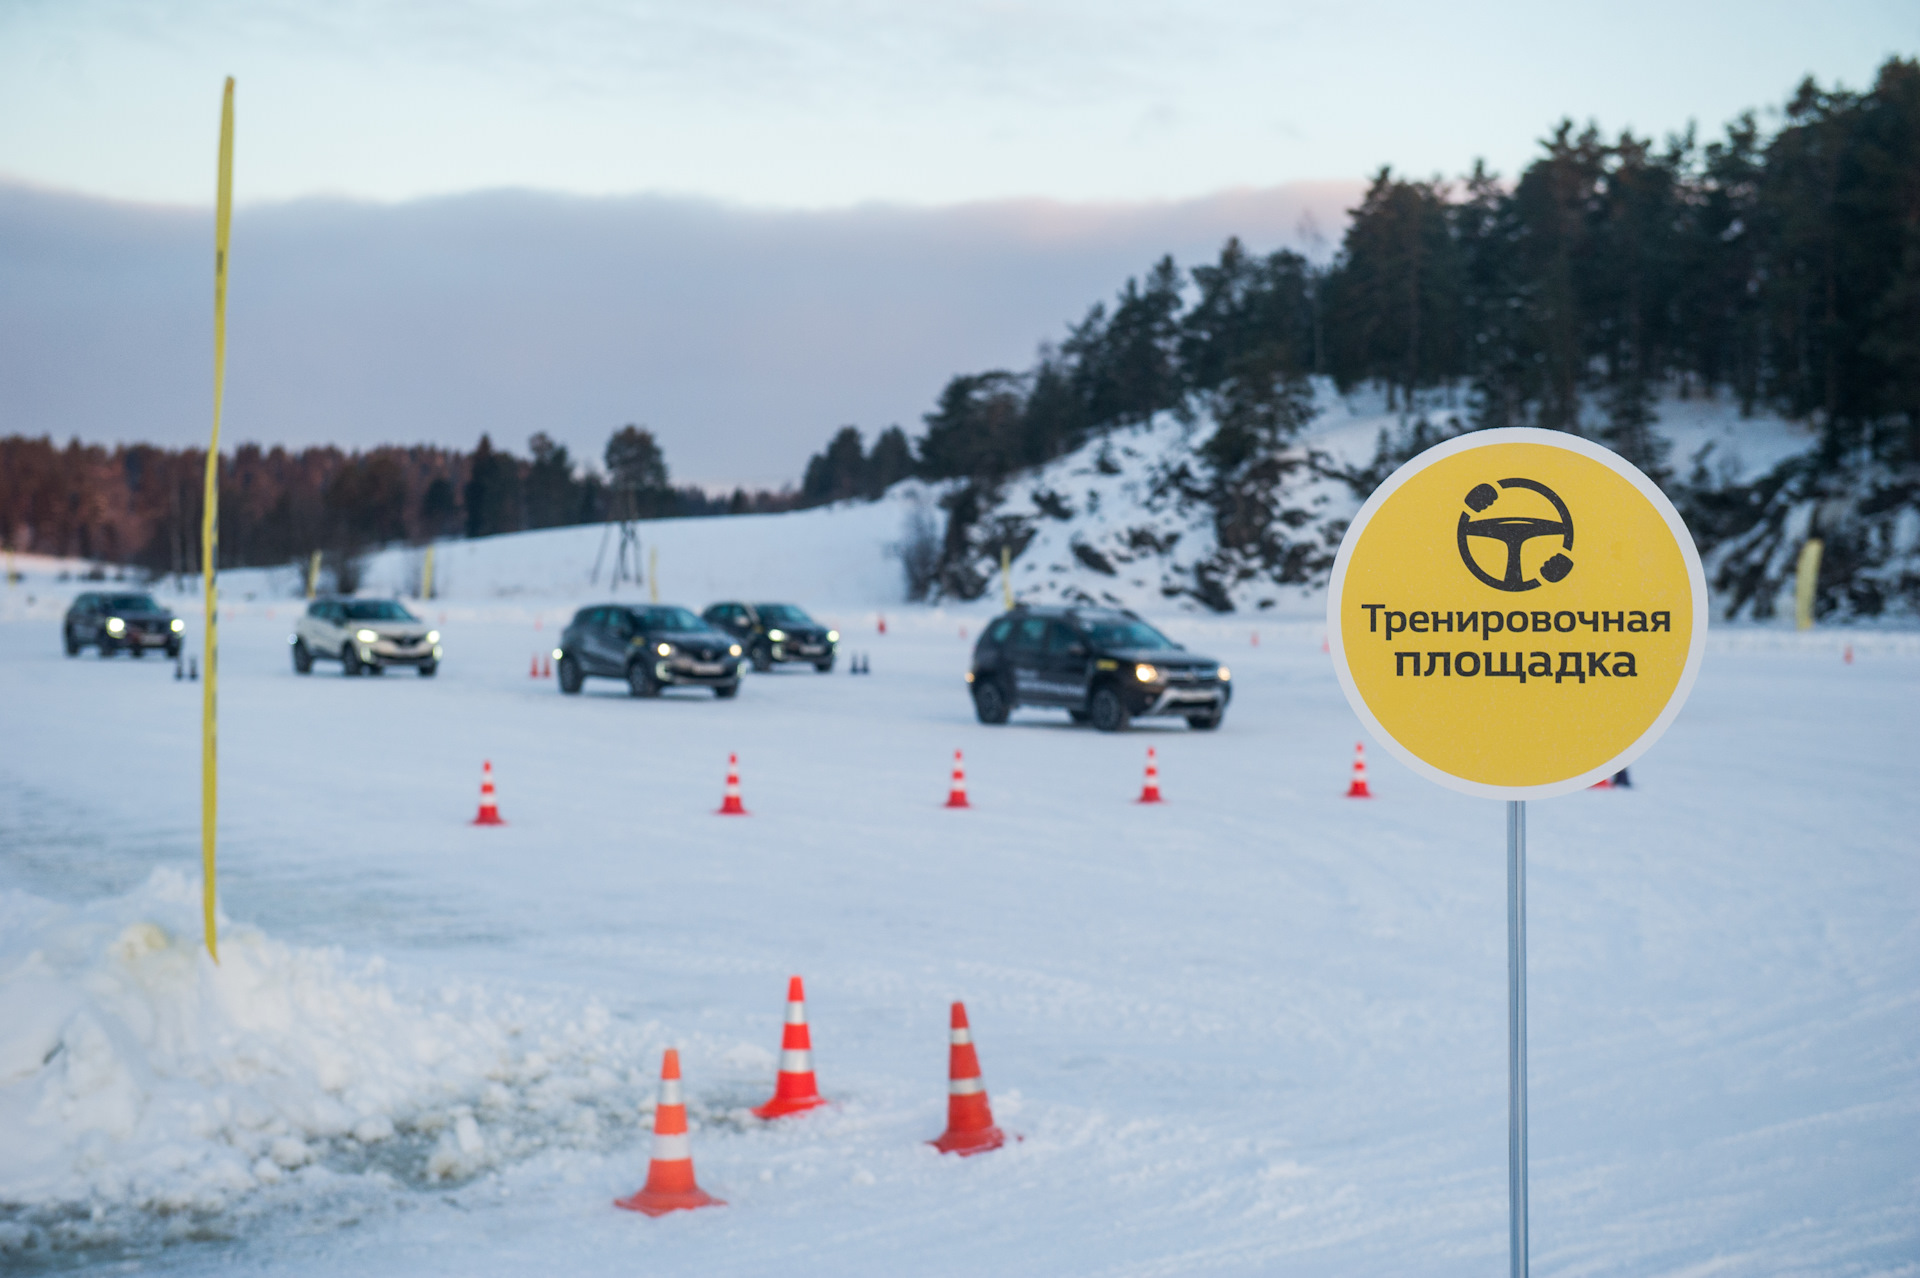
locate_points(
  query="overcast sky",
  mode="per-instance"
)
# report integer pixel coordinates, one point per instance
(742, 221)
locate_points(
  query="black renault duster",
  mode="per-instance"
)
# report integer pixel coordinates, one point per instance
(1101, 665)
(651, 646)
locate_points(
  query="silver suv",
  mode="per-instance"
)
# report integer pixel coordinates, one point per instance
(364, 636)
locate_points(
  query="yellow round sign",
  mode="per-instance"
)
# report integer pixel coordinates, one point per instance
(1517, 613)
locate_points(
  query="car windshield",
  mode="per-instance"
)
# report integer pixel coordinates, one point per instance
(133, 603)
(669, 619)
(377, 610)
(783, 615)
(1123, 632)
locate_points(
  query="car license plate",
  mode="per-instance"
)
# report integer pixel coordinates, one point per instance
(708, 668)
(807, 649)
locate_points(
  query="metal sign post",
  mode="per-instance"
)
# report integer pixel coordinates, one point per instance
(1517, 1036)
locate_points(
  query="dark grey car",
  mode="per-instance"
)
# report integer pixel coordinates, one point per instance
(112, 620)
(650, 647)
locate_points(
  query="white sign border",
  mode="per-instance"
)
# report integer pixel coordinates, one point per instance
(1696, 578)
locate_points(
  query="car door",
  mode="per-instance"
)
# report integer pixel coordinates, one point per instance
(1063, 665)
(611, 640)
(593, 641)
(1024, 652)
(324, 628)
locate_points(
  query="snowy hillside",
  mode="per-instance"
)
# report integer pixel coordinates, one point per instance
(1129, 519)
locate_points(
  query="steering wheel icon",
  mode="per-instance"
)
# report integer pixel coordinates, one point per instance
(1516, 531)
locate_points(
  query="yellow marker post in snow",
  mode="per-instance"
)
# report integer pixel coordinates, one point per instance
(426, 575)
(1006, 576)
(653, 573)
(313, 574)
(1806, 576)
(210, 528)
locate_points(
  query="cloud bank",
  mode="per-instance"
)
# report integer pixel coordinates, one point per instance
(742, 336)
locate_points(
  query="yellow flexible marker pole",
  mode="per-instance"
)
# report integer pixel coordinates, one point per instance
(426, 574)
(1805, 578)
(210, 528)
(313, 574)
(1006, 576)
(653, 574)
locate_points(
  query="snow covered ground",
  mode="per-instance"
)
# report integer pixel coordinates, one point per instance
(1259, 1029)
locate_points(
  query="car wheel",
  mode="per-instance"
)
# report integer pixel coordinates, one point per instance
(990, 704)
(725, 691)
(173, 652)
(1078, 716)
(640, 680)
(139, 650)
(106, 647)
(763, 659)
(73, 644)
(1107, 710)
(824, 667)
(350, 663)
(1206, 722)
(568, 670)
(428, 670)
(302, 657)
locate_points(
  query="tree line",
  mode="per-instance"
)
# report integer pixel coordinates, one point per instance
(141, 505)
(1780, 268)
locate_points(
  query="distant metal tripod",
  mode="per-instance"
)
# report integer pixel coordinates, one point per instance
(626, 562)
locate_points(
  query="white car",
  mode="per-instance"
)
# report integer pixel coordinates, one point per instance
(364, 636)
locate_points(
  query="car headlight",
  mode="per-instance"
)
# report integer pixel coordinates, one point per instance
(833, 636)
(433, 636)
(558, 654)
(1145, 673)
(778, 636)
(178, 625)
(1225, 674)
(115, 625)
(665, 649)
(366, 636)
(734, 651)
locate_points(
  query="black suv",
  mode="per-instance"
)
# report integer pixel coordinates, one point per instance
(775, 633)
(113, 621)
(651, 646)
(1099, 664)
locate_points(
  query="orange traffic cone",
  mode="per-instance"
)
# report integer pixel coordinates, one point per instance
(883, 623)
(1150, 793)
(795, 1090)
(1846, 654)
(489, 810)
(731, 805)
(970, 1128)
(1604, 783)
(533, 670)
(670, 1185)
(1256, 639)
(957, 793)
(546, 667)
(1358, 790)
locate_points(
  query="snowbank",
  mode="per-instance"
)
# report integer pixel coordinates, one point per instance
(142, 1088)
